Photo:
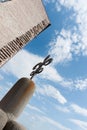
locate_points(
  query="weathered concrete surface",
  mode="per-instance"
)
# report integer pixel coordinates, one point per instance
(20, 22)
(17, 98)
(12, 125)
(3, 119)
(14, 102)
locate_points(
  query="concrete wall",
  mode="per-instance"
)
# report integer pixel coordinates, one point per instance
(20, 22)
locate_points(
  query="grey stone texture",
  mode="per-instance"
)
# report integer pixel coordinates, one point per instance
(12, 125)
(3, 119)
(14, 102)
(20, 22)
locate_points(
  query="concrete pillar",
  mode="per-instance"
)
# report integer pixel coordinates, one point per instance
(12, 125)
(3, 119)
(17, 98)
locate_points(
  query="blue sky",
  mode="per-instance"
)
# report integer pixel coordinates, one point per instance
(59, 102)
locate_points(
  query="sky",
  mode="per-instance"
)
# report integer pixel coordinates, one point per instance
(59, 101)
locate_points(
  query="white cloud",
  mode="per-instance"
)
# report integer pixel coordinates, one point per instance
(48, 1)
(81, 84)
(72, 41)
(56, 124)
(9, 84)
(1, 77)
(67, 83)
(60, 48)
(65, 45)
(51, 74)
(34, 108)
(21, 65)
(80, 124)
(3, 91)
(62, 109)
(79, 110)
(80, 8)
(78, 84)
(51, 91)
(76, 32)
(43, 122)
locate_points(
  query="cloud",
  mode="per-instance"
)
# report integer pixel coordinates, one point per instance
(52, 92)
(71, 41)
(60, 47)
(65, 45)
(79, 110)
(51, 73)
(54, 123)
(34, 108)
(81, 84)
(21, 67)
(48, 1)
(3, 91)
(78, 84)
(74, 108)
(73, 37)
(80, 124)
(62, 109)
(42, 122)
(1, 77)
(21, 64)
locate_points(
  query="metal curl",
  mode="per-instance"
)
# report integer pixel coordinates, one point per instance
(38, 67)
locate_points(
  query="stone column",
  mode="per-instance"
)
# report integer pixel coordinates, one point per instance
(12, 125)
(17, 98)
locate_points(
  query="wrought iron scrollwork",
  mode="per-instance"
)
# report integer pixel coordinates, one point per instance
(38, 68)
